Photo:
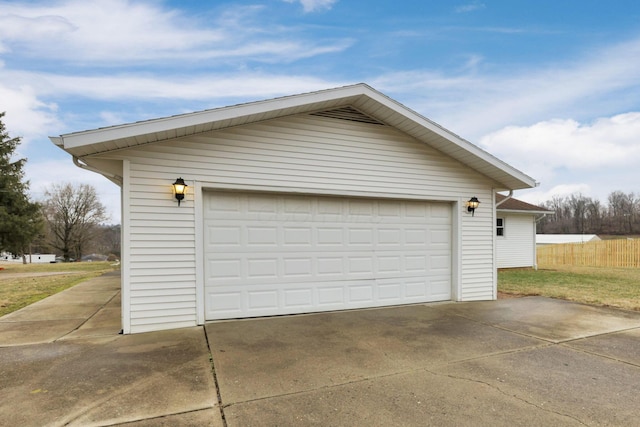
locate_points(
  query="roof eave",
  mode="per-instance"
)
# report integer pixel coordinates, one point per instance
(101, 135)
(522, 211)
(360, 95)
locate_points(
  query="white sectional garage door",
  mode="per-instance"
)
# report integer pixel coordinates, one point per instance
(271, 254)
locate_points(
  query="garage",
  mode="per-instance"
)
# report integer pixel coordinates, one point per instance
(271, 254)
(329, 200)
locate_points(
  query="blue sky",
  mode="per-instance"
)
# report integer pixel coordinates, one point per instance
(551, 87)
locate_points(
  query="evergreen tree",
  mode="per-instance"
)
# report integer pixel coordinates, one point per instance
(20, 219)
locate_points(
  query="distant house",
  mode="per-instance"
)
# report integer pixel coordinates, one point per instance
(516, 232)
(31, 258)
(558, 239)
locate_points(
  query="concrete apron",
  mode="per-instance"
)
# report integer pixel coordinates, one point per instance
(62, 362)
(524, 361)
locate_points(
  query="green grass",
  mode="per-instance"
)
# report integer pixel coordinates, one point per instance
(615, 287)
(17, 290)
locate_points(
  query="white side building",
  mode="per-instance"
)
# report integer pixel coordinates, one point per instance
(516, 232)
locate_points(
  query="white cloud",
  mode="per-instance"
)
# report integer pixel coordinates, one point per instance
(151, 87)
(570, 157)
(475, 103)
(470, 7)
(26, 116)
(539, 196)
(607, 142)
(109, 29)
(115, 32)
(314, 5)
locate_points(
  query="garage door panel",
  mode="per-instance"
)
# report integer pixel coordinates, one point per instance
(298, 267)
(276, 299)
(293, 267)
(301, 236)
(298, 298)
(439, 237)
(277, 254)
(359, 265)
(330, 266)
(439, 264)
(440, 288)
(416, 237)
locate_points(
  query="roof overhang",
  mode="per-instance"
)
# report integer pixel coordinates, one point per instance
(528, 212)
(360, 96)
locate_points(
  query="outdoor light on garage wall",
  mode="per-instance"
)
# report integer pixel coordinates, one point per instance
(179, 188)
(472, 204)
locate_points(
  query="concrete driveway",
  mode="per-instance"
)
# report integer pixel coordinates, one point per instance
(523, 361)
(526, 361)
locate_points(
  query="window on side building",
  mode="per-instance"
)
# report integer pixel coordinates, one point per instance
(499, 226)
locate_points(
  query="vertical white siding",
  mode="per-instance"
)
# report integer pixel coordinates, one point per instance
(305, 154)
(517, 247)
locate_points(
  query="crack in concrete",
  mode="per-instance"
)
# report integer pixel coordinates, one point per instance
(327, 387)
(388, 375)
(504, 393)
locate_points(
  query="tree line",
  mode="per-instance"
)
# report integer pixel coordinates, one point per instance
(579, 214)
(70, 221)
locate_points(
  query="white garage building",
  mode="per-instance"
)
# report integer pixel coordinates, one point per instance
(330, 200)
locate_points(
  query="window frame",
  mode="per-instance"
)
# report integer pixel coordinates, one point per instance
(500, 228)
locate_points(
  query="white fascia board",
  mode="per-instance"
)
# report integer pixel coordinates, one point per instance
(514, 211)
(452, 137)
(79, 139)
(57, 140)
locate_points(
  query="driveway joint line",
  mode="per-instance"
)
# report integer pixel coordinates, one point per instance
(502, 328)
(88, 318)
(215, 378)
(604, 356)
(600, 334)
(548, 340)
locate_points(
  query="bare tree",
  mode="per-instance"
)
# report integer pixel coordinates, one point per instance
(73, 214)
(579, 214)
(594, 215)
(109, 241)
(622, 210)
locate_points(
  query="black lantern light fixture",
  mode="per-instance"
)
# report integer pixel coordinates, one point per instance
(472, 204)
(179, 188)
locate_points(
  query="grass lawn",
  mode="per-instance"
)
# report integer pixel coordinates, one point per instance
(21, 285)
(615, 287)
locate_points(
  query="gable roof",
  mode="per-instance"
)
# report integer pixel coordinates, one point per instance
(359, 102)
(518, 206)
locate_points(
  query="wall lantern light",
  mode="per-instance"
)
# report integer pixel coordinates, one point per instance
(179, 187)
(472, 204)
